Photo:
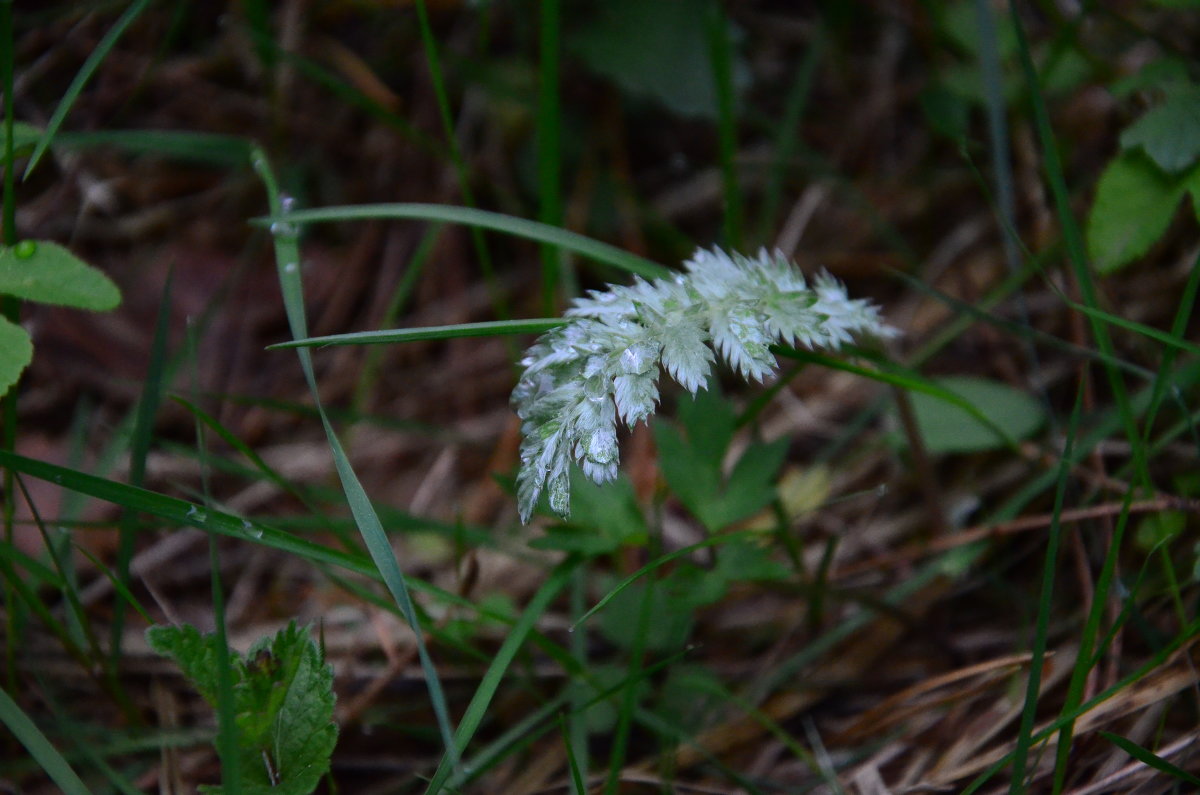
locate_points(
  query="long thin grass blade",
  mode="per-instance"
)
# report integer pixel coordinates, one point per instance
(40, 748)
(81, 78)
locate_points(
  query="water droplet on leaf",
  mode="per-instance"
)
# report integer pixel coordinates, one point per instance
(25, 249)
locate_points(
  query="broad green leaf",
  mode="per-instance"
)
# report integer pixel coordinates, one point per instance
(1170, 133)
(38, 270)
(946, 428)
(16, 352)
(1134, 204)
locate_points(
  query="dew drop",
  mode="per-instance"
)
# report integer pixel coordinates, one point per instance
(25, 249)
(595, 389)
(290, 267)
(286, 202)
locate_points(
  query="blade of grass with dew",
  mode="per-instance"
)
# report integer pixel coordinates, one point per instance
(85, 73)
(143, 431)
(261, 469)
(499, 222)
(391, 336)
(42, 751)
(185, 513)
(447, 774)
(1045, 602)
(556, 271)
(287, 256)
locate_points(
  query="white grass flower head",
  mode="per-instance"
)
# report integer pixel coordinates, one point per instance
(603, 362)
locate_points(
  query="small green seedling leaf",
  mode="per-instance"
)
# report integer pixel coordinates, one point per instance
(283, 694)
(38, 270)
(1135, 201)
(16, 352)
(946, 428)
(1170, 133)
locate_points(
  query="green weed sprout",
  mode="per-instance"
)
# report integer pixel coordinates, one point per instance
(603, 362)
(282, 697)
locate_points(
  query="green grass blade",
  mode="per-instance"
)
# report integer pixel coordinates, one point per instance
(184, 513)
(1172, 340)
(143, 431)
(287, 257)
(390, 336)
(1073, 238)
(896, 376)
(549, 153)
(495, 673)
(485, 219)
(1151, 759)
(81, 78)
(1045, 604)
(45, 754)
(208, 148)
(720, 50)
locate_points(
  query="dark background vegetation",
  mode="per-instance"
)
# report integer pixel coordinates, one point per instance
(859, 145)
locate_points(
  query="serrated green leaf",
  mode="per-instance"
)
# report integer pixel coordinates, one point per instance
(946, 428)
(38, 270)
(1134, 204)
(283, 694)
(1170, 133)
(16, 352)
(195, 654)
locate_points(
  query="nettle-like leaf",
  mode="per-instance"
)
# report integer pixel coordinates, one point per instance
(603, 363)
(283, 698)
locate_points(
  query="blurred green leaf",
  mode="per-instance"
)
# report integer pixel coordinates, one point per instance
(946, 428)
(654, 50)
(603, 519)
(1134, 204)
(38, 270)
(667, 626)
(283, 694)
(16, 352)
(1170, 133)
(1159, 528)
(692, 463)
